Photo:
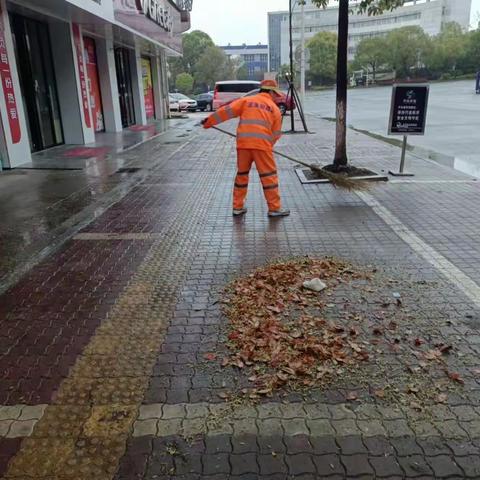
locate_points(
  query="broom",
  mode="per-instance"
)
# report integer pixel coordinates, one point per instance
(336, 179)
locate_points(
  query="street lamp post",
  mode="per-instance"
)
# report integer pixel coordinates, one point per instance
(292, 75)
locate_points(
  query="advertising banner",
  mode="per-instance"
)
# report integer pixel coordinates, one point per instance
(148, 87)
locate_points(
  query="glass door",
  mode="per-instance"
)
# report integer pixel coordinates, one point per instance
(37, 81)
(124, 80)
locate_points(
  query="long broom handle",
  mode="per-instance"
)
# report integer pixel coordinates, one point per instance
(294, 160)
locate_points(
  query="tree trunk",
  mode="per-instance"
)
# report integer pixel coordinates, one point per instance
(341, 159)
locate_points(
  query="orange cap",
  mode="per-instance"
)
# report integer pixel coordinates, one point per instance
(270, 85)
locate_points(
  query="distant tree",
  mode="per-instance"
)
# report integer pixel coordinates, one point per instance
(470, 61)
(323, 58)
(372, 7)
(184, 83)
(408, 48)
(212, 67)
(448, 50)
(242, 73)
(372, 54)
(194, 45)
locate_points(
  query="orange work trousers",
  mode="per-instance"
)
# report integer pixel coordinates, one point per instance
(267, 170)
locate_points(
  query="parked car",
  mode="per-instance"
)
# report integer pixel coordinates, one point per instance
(205, 102)
(173, 104)
(185, 102)
(284, 103)
(225, 92)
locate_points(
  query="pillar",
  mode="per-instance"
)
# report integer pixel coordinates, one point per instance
(71, 75)
(108, 81)
(137, 85)
(157, 89)
(16, 145)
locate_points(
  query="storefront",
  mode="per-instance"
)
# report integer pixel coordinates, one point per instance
(72, 69)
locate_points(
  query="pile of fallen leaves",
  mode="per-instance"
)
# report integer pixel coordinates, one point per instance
(273, 332)
(284, 336)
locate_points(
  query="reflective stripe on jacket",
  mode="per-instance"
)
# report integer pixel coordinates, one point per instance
(260, 125)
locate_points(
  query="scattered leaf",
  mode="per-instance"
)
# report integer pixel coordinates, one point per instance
(210, 356)
(352, 396)
(442, 398)
(456, 377)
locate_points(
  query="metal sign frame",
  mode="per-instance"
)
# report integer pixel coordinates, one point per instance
(392, 105)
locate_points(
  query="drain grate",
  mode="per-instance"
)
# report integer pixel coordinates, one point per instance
(128, 170)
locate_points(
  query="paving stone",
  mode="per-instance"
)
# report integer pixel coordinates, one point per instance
(143, 428)
(328, 465)
(10, 412)
(424, 429)
(295, 427)
(470, 465)
(434, 446)
(185, 464)
(269, 410)
(324, 445)
(298, 444)
(34, 412)
(193, 426)
(450, 429)
(150, 411)
(443, 466)
(271, 464)
(397, 428)
(292, 410)
(317, 410)
(271, 444)
(169, 427)
(406, 446)
(367, 411)
(216, 464)
(245, 426)
(5, 427)
(269, 427)
(346, 427)
(173, 411)
(21, 428)
(244, 443)
(463, 448)
(218, 444)
(465, 413)
(472, 428)
(351, 445)
(356, 465)
(300, 464)
(320, 428)
(340, 412)
(379, 446)
(371, 428)
(244, 463)
(415, 466)
(386, 467)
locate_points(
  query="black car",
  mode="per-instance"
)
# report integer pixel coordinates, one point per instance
(205, 102)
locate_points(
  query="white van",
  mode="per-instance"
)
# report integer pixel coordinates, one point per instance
(230, 90)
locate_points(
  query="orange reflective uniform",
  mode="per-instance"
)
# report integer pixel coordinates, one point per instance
(259, 128)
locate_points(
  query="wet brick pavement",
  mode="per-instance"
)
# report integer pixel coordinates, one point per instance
(105, 340)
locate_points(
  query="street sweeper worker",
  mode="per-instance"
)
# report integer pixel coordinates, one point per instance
(259, 128)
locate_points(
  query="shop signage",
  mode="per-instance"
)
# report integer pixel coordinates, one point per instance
(157, 11)
(408, 111)
(77, 39)
(7, 84)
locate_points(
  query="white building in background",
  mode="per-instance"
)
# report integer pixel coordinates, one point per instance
(71, 69)
(427, 14)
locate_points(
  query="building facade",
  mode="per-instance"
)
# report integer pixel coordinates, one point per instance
(71, 69)
(430, 15)
(254, 57)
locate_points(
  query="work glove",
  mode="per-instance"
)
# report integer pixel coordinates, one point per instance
(203, 122)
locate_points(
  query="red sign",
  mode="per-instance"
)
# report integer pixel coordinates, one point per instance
(77, 39)
(7, 83)
(93, 84)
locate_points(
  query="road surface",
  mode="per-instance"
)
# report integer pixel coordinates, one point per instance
(453, 122)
